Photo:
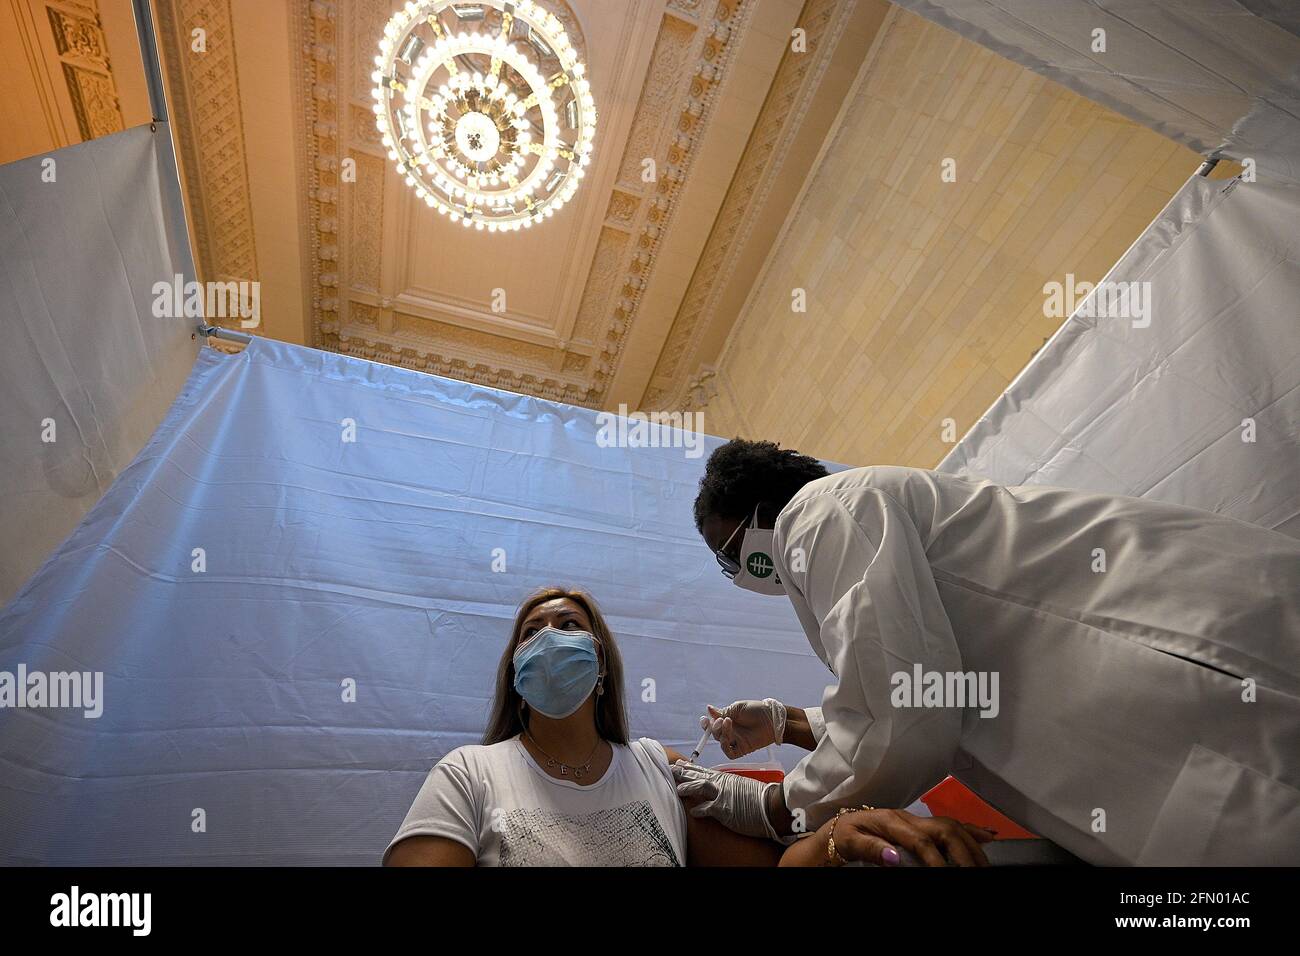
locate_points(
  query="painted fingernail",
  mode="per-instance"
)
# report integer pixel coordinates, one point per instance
(889, 856)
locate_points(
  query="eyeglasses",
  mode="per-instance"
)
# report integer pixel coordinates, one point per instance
(730, 566)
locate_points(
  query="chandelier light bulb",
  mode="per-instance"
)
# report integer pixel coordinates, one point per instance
(472, 121)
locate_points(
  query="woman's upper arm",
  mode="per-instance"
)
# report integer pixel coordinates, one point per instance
(443, 823)
(709, 843)
(429, 851)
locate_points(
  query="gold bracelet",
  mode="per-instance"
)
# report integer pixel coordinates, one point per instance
(831, 855)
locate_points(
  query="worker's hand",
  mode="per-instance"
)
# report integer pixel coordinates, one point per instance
(873, 836)
(738, 803)
(746, 725)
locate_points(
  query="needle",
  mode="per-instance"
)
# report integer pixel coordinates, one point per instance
(704, 738)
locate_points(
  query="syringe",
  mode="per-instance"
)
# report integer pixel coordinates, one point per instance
(704, 739)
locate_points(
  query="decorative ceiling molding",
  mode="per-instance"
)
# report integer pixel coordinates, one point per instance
(81, 46)
(379, 278)
(797, 82)
(77, 38)
(349, 314)
(668, 64)
(355, 312)
(204, 92)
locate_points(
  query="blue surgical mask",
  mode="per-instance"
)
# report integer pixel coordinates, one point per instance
(556, 671)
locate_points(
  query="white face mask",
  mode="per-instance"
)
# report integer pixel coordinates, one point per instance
(757, 569)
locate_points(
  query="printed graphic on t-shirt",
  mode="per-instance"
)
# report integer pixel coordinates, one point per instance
(629, 835)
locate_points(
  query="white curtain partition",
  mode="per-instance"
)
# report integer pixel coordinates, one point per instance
(1202, 405)
(392, 564)
(84, 235)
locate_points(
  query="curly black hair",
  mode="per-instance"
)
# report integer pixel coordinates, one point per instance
(741, 475)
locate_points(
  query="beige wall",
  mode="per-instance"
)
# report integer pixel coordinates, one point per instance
(924, 297)
(69, 72)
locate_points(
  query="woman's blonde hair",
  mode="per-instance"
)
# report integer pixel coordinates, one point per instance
(509, 710)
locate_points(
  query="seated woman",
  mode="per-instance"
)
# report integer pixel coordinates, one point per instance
(557, 782)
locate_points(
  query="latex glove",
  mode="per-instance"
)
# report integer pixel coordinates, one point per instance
(746, 725)
(738, 803)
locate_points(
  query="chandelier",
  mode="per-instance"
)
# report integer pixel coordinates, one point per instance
(485, 109)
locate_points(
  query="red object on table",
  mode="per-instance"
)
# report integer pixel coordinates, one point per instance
(763, 774)
(952, 798)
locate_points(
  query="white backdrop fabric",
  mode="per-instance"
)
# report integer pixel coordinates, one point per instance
(1158, 412)
(328, 561)
(78, 260)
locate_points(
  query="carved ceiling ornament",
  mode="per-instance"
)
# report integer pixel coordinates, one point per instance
(204, 91)
(78, 36)
(82, 49)
(353, 307)
(672, 52)
(350, 312)
(355, 304)
(797, 80)
(689, 62)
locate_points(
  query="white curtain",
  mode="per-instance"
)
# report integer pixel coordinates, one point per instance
(86, 371)
(392, 563)
(1200, 407)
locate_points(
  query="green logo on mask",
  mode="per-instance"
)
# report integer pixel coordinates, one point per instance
(760, 565)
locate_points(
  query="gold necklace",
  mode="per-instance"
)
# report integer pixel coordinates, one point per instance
(579, 770)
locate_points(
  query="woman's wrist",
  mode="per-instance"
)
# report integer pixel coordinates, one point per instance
(809, 851)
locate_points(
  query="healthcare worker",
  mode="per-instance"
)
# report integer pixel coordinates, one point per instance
(1119, 675)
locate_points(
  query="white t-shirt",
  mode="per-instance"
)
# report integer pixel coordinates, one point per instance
(500, 803)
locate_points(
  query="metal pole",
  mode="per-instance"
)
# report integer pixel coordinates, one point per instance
(230, 335)
(1205, 168)
(153, 76)
(144, 28)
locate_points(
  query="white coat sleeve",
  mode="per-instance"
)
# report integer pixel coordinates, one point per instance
(867, 583)
(816, 723)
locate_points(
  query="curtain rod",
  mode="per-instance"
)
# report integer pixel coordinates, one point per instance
(144, 28)
(217, 332)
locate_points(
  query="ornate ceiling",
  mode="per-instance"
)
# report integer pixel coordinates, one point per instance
(623, 297)
(70, 70)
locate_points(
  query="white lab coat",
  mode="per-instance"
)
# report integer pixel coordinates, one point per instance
(1148, 713)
